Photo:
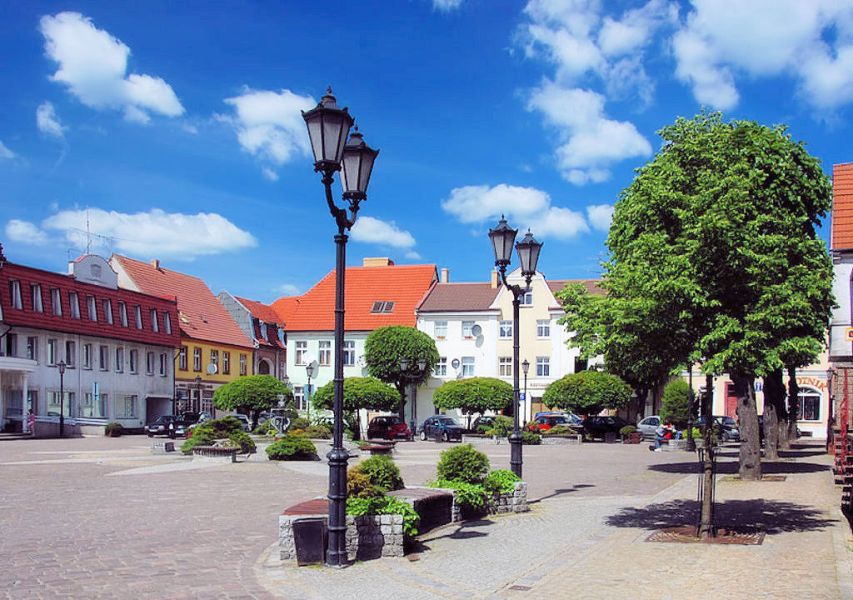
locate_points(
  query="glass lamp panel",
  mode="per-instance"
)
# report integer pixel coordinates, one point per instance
(404, 364)
(528, 253)
(315, 129)
(366, 169)
(502, 239)
(422, 364)
(333, 125)
(351, 164)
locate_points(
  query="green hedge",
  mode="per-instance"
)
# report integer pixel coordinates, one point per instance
(462, 463)
(386, 505)
(500, 481)
(292, 447)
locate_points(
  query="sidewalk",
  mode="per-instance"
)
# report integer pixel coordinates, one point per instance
(594, 547)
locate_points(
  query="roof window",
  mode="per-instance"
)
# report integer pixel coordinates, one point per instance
(382, 306)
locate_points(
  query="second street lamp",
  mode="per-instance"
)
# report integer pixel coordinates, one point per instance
(528, 249)
(310, 370)
(61, 366)
(525, 367)
(328, 128)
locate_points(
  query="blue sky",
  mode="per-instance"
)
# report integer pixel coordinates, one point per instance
(175, 127)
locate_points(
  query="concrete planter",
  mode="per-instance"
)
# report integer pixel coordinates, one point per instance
(478, 439)
(513, 502)
(562, 440)
(367, 537)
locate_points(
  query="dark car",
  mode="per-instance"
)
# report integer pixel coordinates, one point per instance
(166, 425)
(388, 428)
(482, 423)
(441, 427)
(727, 427)
(599, 426)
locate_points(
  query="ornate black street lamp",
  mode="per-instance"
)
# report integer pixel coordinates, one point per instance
(198, 392)
(412, 378)
(328, 128)
(525, 367)
(61, 367)
(528, 249)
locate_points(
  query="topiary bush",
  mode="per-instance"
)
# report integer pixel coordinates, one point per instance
(241, 440)
(359, 486)
(500, 481)
(292, 447)
(675, 402)
(265, 428)
(382, 472)
(319, 432)
(199, 437)
(113, 429)
(462, 463)
(627, 430)
(530, 439)
(501, 427)
(299, 423)
(560, 430)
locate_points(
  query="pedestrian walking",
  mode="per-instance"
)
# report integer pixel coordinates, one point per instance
(31, 423)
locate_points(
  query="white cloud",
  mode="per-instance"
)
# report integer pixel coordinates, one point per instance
(600, 216)
(808, 41)
(190, 128)
(590, 141)
(269, 124)
(47, 121)
(152, 233)
(412, 255)
(559, 223)
(288, 289)
(446, 5)
(93, 64)
(24, 232)
(5, 152)
(376, 231)
(269, 174)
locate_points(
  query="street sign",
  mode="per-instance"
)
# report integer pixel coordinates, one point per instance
(523, 396)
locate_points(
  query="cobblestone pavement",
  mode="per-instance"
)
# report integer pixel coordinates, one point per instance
(103, 518)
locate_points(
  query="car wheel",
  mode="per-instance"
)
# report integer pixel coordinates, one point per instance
(423, 436)
(446, 437)
(150, 435)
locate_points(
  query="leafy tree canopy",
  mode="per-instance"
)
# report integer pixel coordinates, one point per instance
(386, 346)
(251, 393)
(587, 392)
(473, 395)
(359, 393)
(675, 402)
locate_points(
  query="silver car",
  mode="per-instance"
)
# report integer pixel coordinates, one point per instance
(649, 426)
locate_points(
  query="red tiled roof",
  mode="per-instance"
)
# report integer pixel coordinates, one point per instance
(200, 314)
(462, 297)
(591, 285)
(404, 285)
(842, 207)
(261, 311)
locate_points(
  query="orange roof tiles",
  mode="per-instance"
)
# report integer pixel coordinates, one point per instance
(261, 311)
(200, 314)
(404, 285)
(842, 207)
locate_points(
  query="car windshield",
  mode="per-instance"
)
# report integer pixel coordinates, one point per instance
(559, 421)
(446, 421)
(729, 421)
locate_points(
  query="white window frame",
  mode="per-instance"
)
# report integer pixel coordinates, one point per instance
(119, 364)
(107, 305)
(467, 326)
(52, 349)
(133, 360)
(164, 364)
(87, 356)
(138, 311)
(35, 291)
(526, 298)
(167, 323)
(440, 330)
(70, 354)
(505, 329)
(196, 359)
(155, 323)
(15, 290)
(149, 363)
(122, 313)
(543, 366)
(543, 328)
(74, 302)
(104, 357)
(349, 353)
(441, 367)
(469, 367)
(505, 366)
(301, 352)
(56, 301)
(324, 353)
(92, 308)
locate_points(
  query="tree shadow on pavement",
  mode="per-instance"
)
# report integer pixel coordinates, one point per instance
(731, 467)
(461, 531)
(771, 516)
(562, 491)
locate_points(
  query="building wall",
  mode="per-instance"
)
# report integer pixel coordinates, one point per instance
(840, 347)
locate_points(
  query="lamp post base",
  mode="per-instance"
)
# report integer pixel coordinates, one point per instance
(515, 453)
(336, 554)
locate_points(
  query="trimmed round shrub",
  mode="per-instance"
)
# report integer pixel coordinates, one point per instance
(200, 437)
(359, 486)
(382, 472)
(113, 429)
(463, 463)
(530, 439)
(299, 423)
(627, 430)
(675, 402)
(292, 447)
(500, 481)
(241, 440)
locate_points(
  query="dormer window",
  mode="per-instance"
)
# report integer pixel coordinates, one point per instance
(382, 306)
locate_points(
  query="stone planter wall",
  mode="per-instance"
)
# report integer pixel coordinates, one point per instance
(475, 439)
(562, 440)
(367, 537)
(215, 453)
(514, 502)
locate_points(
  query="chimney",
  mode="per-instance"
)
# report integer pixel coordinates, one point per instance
(155, 262)
(494, 279)
(380, 261)
(445, 275)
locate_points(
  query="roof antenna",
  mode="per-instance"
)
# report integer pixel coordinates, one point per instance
(88, 234)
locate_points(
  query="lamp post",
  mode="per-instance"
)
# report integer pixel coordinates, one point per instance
(528, 249)
(310, 369)
(691, 443)
(61, 367)
(525, 367)
(198, 392)
(412, 378)
(328, 128)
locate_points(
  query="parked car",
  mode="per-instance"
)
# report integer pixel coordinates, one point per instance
(441, 427)
(599, 426)
(545, 422)
(162, 425)
(649, 426)
(388, 428)
(727, 426)
(483, 421)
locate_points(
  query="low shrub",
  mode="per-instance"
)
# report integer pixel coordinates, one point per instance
(530, 439)
(113, 429)
(265, 428)
(200, 437)
(318, 432)
(382, 472)
(299, 423)
(386, 505)
(359, 486)
(532, 427)
(470, 497)
(220, 428)
(462, 463)
(501, 427)
(627, 430)
(561, 430)
(500, 481)
(241, 440)
(292, 447)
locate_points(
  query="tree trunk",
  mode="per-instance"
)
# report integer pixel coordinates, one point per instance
(706, 521)
(401, 389)
(356, 435)
(750, 446)
(255, 415)
(783, 416)
(793, 404)
(774, 398)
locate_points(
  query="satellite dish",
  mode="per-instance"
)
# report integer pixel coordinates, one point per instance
(476, 331)
(455, 363)
(212, 369)
(362, 362)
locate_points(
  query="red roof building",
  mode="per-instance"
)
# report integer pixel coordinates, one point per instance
(841, 236)
(260, 323)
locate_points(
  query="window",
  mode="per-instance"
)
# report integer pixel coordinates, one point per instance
(580, 364)
(94, 407)
(54, 406)
(467, 366)
(301, 351)
(527, 298)
(35, 289)
(74, 301)
(809, 401)
(441, 367)
(505, 329)
(119, 360)
(87, 356)
(126, 407)
(56, 302)
(11, 344)
(196, 359)
(467, 326)
(155, 324)
(214, 359)
(164, 364)
(182, 358)
(70, 354)
(505, 366)
(243, 365)
(107, 305)
(133, 361)
(440, 330)
(543, 366)
(122, 313)
(92, 308)
(226, 363)
(149, 362)
(167, 323)
(138, 311)
(104, 358)
(33, 348)
(543, 328)
(325, 353)
(51, 352)
(299, 397)
(349, 353)
(15, 288)
(382, 307)
(263, 331)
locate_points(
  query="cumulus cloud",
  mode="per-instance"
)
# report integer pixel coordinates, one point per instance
(156, 232)
(809, 41)
(24, 232)
(92, 63)
(5, 152)
(47, 121)
(269, 174)
(600, 216)
(287, 289)
(446, 5)
(269, 125)
(376, 231)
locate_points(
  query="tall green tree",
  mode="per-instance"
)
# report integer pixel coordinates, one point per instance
(366, 393)
(386, 346)
(675, 402)
(252, 394)
(587, 392)
(473, 395)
